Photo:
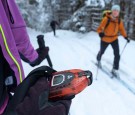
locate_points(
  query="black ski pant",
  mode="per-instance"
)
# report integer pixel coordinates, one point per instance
(115, 46)
(53, 28)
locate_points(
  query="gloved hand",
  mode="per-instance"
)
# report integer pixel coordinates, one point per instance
(42, 51)
(128, 40)
(101, 34)
(36, 102)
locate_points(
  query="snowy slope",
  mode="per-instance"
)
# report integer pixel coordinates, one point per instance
(105, 96)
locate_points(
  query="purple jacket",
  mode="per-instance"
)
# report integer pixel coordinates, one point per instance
(14, 38)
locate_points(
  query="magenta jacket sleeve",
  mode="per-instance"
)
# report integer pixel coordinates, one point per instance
(19, 31)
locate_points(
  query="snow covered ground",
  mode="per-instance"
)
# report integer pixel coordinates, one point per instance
(71, 50)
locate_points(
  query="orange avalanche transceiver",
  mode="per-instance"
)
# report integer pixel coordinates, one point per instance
(66, 84)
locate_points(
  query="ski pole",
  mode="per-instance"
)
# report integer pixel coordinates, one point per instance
(49, 61)
(123, 48)
(41, 43)
(97, 72)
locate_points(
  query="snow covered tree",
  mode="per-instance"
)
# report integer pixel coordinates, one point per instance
(37, 13)
(74, 14)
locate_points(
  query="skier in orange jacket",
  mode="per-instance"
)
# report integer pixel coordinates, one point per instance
(108, 32)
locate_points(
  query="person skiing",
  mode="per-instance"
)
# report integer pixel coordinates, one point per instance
(108, 30)
(53, 24)
(14, 41)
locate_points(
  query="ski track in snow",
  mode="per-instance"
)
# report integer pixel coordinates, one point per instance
(72, 50)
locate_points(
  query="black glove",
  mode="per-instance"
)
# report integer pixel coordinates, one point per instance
(42, 51)
(101, 34)
(128, 40)
(35, 104)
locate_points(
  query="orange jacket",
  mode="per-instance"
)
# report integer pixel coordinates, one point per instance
(112, 30)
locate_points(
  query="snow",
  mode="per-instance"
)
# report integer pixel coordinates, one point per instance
(75, 19)
(94, 3)
(38, 0)
(72, 50)
(78, 24)
(82, 29)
